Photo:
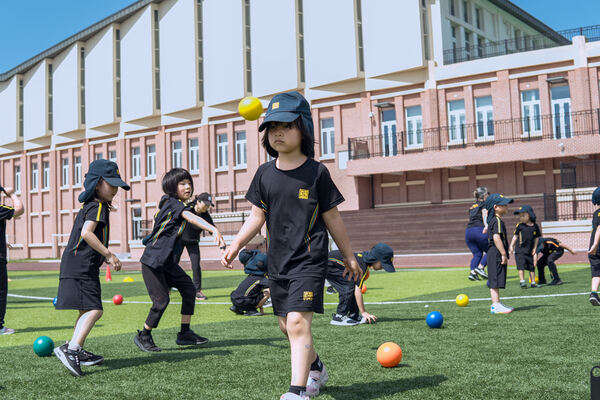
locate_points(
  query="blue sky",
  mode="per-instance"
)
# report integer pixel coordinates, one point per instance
(28, 27)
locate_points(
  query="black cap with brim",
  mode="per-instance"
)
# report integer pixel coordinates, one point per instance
(117, 182)
(381, 252)
(526, 209)
(282, 116)
(596, 197)
(288, 107)
(105, 169)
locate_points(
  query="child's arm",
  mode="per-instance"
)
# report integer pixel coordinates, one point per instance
(564, 246)
(17, 204)
(512, 244)
(87, 234)
(250, 228)
(484, 215)
(594, 247)
(335, 225)
(534, 252)
(370, 318)
(500, 246)
(201, 223)
(262, 302)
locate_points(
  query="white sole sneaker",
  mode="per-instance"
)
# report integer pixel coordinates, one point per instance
(315, 383)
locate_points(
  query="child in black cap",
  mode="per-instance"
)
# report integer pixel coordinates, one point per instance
(549, 250)
(253, 292)
(525, 238)
(160, 268)
(594, 250)
(497, 206)
(86, 251)
(351, 307)
(296, 197)
(6, 213)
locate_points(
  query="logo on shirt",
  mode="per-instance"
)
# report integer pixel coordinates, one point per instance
(275, 106)
(308, 296)
(303, 194)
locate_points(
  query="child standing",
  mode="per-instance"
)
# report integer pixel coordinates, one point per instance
(497, 206)
(296, 197)
(526, 237)
(551, 250)
(86, 251)
(6, 213)
(160, 268)
(594, 250)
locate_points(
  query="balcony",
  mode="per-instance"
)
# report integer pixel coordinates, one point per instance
(519, 45)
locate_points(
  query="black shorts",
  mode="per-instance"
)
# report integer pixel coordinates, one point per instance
(496, 270)
(595, 265)
(79, 294)
(297, 294)
(524, 262)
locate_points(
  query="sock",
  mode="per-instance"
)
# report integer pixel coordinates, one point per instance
(146, 332)
(522, 280)
(73, 345)
(185, 327)
(317, 365)
(297, 389)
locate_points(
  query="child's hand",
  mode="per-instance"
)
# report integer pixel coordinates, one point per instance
(352, 269)
(573, 252)
(504, 260)
(113, 262)
(511, 249)
(9, 191)
(228, 256)
(369, 318)
(484, 230)
(592, 250)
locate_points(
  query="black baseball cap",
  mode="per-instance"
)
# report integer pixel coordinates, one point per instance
(526, 209)
(498, 199)
(105, 169)
(381, 252)
(287, 107)
(596, 197)
(206, 198)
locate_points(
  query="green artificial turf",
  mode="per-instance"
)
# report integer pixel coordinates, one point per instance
(543, 350)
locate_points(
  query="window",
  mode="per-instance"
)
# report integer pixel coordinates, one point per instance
(240, 149)
(359, 35)
(425, 28)
(300, 24)
(82, 85)
(327, 138)
(518, 39)
(49, 89)
(389, 139)
(176, 154)
(98, 156)
(248, 48)
(561, 111)
(135, 163)
(136, 223)
(200, 49)
(156, 62)
(193, 155)
(118, 72)
(151, 161)
(65, 172)
(21, 108)
(467, 11)
(456, 121)
(480, 44)
(479, 18)
(453, 7)
(530, 108)
(77, 171)
(34, 177)
(112, 155)
(17, 179)
(454, 34)
(46, 176)
(222, 150)
(485, 117)
(414, 127)
(467, 44)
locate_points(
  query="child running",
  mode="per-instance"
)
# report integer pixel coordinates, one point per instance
(160, 268)
(296, 197)
(594, 250)
(86, 251)
(525, 238)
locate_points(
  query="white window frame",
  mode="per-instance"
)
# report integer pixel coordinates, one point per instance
(241, 160)
(135, 163)
(456, 119)
(560, 117)
(17, 179)
(531, 112)
(77, 171)
(150, 161)
(46, 175)
(112, 155)
(222, 149)
(414, 129)
(327, 140)
(176, 154)
(64, 182)
(484, 116)
(193, 155)
(34, 177)
(389, 136)
(98, 156)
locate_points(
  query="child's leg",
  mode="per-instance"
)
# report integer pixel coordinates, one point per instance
(158, 290)
(177, 278)
(495, 294)
(532, 276)
(521, 275)
(298, 329)
(595, 283)
(83, 326)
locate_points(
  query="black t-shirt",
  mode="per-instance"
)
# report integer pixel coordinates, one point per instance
(79, 260)
(163, 246)
(475, 216)
(336, 260)
(191, 233)
(526, 237)
(6, 213)
(595, 223)
(294, 201)
(252, 286)
(547, 246)
(496, 226)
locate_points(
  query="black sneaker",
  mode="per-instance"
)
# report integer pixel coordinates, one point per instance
(330, 290)
(594, 299)
(89, 358)
(556, 282)
(145, 342)
(189, 338)
(69, 358)
(253, 313)
(473, 276)
(523, 285)
(236, 310)
(535, 285)
(541, 281)
(480, 272)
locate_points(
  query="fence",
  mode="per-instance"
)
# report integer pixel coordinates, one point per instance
(568, 205)
(584, 173)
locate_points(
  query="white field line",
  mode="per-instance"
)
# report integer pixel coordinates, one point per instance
(367, 302)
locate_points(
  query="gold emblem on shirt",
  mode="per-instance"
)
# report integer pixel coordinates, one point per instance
(303, 194)
(308, 296)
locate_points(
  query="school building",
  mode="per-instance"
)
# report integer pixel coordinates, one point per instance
(415, 104)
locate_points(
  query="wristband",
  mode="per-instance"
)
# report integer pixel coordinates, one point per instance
(223, 247)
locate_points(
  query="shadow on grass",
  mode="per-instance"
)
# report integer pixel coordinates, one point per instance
(525, 308)
(241, 342)
(388, 319)
(170, 357)
(48, 328)
(375, 390)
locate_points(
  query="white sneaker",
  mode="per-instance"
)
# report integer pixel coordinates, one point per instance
(343, 320)
(292, 396)
(499, 308)
(6, 331)
(316, 380)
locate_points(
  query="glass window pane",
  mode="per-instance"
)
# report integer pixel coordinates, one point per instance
(388, 115)
(413, 111)
(456, 105)
(483, 101)
(327, 123)
(560, 92)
